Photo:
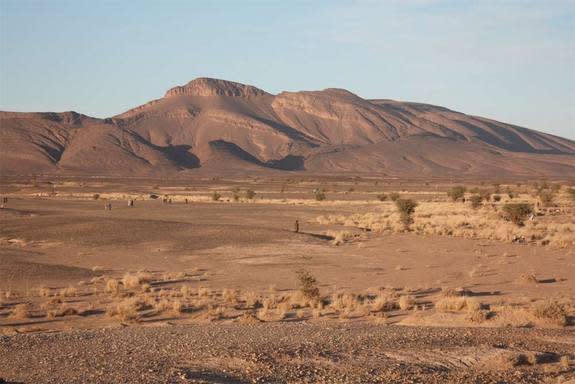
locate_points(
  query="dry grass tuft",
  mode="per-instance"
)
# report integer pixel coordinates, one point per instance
(528, 279)
(230, 295)
(134, 281)
(457, 304)
(564, 362)
(550, 311)
(20, 311)
(455, 292)
(300, 314)
(382, 303)
(127, 310)
(112, 287)
(69, 292)
(61, 311)
(478, 316)
(186, 291)
(44, 292)
(406, 302)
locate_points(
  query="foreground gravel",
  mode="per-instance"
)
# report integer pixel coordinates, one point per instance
(283, 353)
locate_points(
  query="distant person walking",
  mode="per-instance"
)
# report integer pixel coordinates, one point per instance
(296, 226)
(108, 206)
(130, 203)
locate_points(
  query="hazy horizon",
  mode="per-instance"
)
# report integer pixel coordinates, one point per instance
(510, 62)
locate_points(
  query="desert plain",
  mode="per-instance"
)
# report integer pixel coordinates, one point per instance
(208, 280)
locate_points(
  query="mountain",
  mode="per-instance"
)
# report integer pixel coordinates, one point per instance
(211, 126)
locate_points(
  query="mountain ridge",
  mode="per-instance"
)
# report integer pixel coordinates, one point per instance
(213, 125)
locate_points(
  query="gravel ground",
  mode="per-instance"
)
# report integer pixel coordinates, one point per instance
(285, 353)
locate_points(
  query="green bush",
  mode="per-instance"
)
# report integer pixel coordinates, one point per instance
(216, 196)
(456, 193)
(319, 195)
(475, 201)
(517, 213)
(307, 284)
(496, 198)
(406, 207)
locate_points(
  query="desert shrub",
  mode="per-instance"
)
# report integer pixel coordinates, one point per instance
(571, 193)
(475, 201)
(456, 193)
(394, 196)
(382, 197)
(551, 311)
(236, 197)
(96, 196)
(127, 310)
(546, 197)
(485, 195)
(216, 196)
(517, 213)
(132, 281)
(307, 284)
(406, 207)
(496, 198)
(319, 195)
(250, 194)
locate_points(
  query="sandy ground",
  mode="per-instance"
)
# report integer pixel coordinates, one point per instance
(59, 242)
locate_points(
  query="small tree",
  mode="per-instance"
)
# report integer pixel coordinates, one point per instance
(475, 201)
(307, 284)
(394, 196)
(517, 213)
(216, 196)
(496, 198)
(406, 207)
(456, 193)
(319, 195)
(382, 197)
(250, 194)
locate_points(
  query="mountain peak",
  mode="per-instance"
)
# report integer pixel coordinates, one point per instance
(205, 86)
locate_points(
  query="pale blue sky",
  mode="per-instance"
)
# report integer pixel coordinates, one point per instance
(513, 61)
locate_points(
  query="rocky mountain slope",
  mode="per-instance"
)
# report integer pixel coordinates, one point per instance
(217, 127)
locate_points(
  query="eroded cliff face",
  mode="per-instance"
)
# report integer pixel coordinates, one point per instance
(220, 125)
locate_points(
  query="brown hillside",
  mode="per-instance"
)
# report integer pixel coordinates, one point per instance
(218, 126)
